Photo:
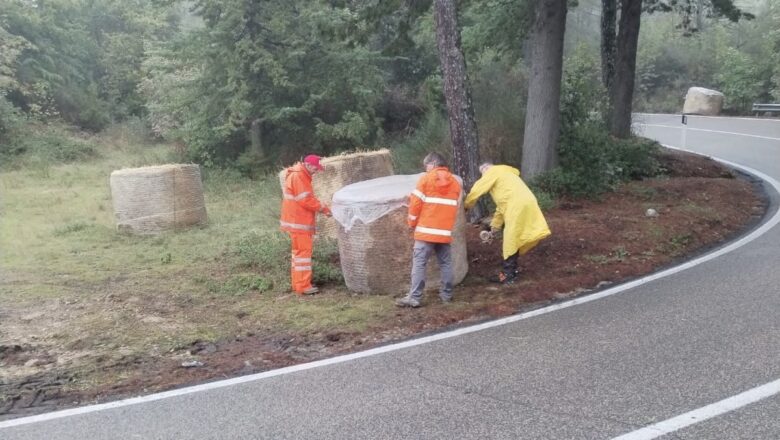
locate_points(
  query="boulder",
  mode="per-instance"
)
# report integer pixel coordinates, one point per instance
(701, 101)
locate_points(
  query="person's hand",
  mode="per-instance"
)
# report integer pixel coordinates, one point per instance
(326, 211)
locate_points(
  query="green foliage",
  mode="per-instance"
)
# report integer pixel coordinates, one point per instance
(739, 79)
(591, 161)
(285, 63)
(326, 267)
(267, 252)
(739, 59)
(238, 285)
(46, 146)
(78, 59)
(10, 128)
(499, 89)
(432, 135)
(71, 228)
(545, 199)
(497, 24)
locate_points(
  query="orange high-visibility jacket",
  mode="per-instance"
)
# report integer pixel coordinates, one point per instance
(433, 206)
(299, 206)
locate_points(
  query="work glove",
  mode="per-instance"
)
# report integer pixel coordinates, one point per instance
(325, 211)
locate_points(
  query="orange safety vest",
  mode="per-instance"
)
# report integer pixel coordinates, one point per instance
(433, 206)
(299, 206)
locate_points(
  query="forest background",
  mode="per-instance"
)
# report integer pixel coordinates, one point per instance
(251, 86)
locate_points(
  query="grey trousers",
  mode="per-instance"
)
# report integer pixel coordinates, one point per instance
(423, 251)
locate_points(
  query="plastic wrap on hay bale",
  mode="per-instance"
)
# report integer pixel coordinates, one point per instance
(343, 170)
(153, 199)
(375, 243)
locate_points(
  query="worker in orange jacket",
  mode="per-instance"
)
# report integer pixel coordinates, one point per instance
(299, 208)
(433, 210)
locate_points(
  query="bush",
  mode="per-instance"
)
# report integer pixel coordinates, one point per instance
(10, 128)
(500, 115)
(591, 161)
(433, 135)
(47, 145)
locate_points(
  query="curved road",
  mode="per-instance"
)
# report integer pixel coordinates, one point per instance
(695, 354)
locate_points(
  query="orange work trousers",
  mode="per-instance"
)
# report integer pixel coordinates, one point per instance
(301, 261)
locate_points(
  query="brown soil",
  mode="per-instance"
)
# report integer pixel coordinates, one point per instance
(595, 243)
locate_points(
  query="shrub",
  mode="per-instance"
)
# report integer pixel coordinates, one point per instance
(47, 145)
(432, 135)
(591, 161)
(10, 125)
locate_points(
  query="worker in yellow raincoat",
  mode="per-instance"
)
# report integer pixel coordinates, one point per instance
(517, 211)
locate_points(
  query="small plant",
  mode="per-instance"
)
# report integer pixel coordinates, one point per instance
(71, 228)
(239, 285)
(620, 253)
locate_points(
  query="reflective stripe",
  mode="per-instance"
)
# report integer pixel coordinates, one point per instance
(412, 217)
(433, 231)
(441, 201)
(302, 260)
(302, 269)
(300, 196)
(437, 200)
(296, 226)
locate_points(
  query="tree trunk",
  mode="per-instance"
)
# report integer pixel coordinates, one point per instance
(608, 26)
(542, 120)
(457, 93)
(625, 67)
(256, 137)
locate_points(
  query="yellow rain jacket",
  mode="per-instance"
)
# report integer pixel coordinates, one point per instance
(516, 208)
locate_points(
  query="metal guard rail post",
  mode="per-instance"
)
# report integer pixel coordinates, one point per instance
(758, 108)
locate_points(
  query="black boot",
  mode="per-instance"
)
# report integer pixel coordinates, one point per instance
(509, 266)
(509, 271)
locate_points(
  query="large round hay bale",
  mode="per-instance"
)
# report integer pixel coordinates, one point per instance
(153, 199)
(375, 243)
(342, 170)
(701, 101)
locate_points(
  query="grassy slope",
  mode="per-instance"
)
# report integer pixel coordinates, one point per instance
(97, 288)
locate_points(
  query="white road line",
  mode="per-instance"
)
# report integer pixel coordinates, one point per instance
(704, 413)
(711, 131)
(772, 222)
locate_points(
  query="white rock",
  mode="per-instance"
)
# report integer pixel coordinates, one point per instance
(192, 364)
(701, 101)
(651, 213)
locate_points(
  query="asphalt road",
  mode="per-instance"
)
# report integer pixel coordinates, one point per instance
(596, 370)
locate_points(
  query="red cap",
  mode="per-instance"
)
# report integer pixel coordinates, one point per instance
(314, 161)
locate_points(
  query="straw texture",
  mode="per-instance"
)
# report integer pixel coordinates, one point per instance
(343, 170)
(154, 199)
(377, 257)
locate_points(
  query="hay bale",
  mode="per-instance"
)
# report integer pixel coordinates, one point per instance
(375, 243)
(342, 170)
(153, 199)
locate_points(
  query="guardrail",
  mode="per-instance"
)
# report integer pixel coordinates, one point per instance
(758, 108)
